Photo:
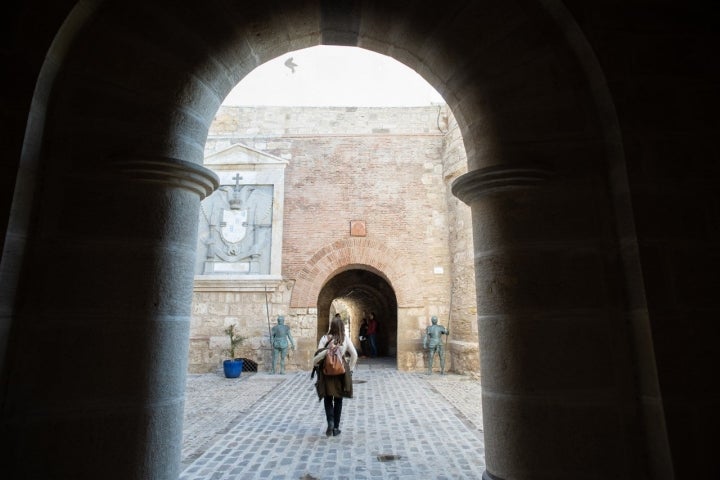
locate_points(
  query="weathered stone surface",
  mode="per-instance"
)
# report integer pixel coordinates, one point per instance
(342, 167)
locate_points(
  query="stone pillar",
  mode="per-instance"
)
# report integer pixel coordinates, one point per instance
(558, 390)
(100, 340)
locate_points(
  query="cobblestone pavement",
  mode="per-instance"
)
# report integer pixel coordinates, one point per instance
(397, 426)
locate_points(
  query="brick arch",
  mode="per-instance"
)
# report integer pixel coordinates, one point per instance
(355, 253)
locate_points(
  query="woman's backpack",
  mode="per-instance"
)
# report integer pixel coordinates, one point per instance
(333, 363)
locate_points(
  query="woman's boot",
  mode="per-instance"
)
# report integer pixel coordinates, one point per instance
(337, 411)
(329, 416)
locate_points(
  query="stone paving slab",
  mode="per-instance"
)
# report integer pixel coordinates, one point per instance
(463, 393)
(398, 426)
(213, 403)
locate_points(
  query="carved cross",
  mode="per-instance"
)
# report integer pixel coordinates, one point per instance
(237, 179)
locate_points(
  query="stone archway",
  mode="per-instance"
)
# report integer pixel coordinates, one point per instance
(347, 254)
(342, 258)
(142, 82)
(360, 291)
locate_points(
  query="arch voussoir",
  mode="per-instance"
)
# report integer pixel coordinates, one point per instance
(344, 254)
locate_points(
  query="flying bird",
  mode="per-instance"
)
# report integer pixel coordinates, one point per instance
(290, 64)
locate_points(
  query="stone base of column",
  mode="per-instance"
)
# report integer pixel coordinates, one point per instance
(487, 476)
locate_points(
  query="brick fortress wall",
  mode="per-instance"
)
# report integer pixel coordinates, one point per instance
(392, 169)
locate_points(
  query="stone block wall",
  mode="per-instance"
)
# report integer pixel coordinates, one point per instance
(389, 167)
(462, 321)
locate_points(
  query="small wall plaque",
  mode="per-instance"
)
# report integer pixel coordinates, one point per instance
(357, 228)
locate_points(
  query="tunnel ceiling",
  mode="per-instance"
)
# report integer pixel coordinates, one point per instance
(359, 285)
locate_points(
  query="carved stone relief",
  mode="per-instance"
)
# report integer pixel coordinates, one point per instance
(236, 230)
(240, 225)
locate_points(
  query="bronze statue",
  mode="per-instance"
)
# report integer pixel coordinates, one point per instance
(433, 341)
(280, 340)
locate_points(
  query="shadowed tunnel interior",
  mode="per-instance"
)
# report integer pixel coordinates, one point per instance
(353, 292)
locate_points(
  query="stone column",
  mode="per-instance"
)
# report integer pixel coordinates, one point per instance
(558, 389)
(99, 351)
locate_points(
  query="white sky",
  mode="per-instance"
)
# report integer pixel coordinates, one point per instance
(333, 76)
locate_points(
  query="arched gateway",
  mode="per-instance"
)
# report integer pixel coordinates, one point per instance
(105, 254)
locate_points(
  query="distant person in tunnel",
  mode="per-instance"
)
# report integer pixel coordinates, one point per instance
(372, 335)
(363, 335)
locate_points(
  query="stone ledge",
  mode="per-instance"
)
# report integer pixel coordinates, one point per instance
(236, 283)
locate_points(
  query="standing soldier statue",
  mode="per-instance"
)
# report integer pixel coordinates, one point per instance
(433, 341)
(280, 339)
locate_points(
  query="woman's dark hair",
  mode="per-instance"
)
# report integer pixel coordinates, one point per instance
(337, 330)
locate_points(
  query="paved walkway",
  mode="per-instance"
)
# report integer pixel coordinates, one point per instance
(397, 426)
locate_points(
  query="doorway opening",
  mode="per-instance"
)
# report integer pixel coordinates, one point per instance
(357, 292)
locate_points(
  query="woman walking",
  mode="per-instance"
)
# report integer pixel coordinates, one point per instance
(332, 385)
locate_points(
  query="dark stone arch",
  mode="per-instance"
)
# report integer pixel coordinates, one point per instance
(142, 81)
(158, 85)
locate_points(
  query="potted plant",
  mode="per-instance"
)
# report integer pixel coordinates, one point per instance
(233, 366)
